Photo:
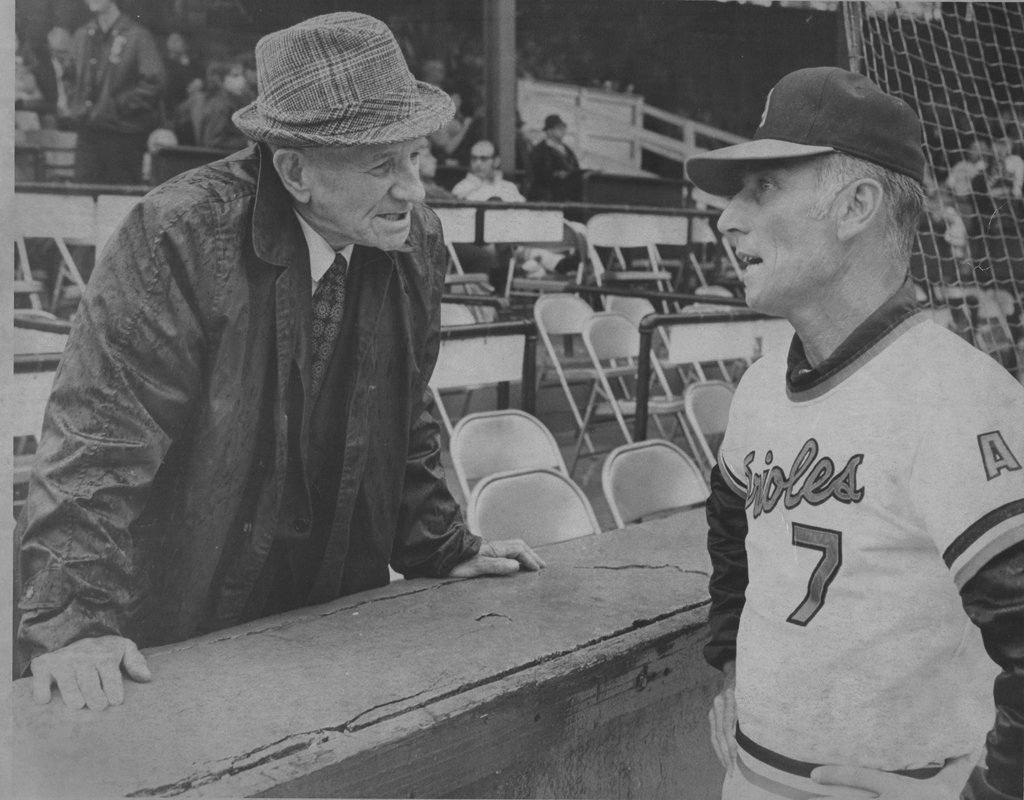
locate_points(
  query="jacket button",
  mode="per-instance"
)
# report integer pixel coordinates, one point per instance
(301, 525)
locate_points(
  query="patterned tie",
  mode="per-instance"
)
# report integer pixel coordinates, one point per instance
(328, 306)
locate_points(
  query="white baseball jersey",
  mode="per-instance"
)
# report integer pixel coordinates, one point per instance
(870, 499)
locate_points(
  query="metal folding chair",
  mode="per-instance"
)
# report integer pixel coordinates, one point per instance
(707, 412)
(561, 316)
(650, 477)
(613, 344)
(487, 442)
(539, 506)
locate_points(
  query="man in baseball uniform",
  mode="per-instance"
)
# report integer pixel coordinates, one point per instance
(867, 512)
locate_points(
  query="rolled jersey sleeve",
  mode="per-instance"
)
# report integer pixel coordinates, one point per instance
(727, 531)
(994, 600)
(121, 395)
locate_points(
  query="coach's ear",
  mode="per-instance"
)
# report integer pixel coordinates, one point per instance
(858, 207)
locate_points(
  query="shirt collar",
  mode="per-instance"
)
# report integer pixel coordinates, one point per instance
(802, 377)
(321, 254)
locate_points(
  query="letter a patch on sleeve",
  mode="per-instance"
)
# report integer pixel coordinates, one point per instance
(996, 455)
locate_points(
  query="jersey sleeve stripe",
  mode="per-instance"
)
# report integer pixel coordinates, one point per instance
(990, 535)
(734, 481)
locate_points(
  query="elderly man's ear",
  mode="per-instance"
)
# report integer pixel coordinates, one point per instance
(858, 207)
(291, 169)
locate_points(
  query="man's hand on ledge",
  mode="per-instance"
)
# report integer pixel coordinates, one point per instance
(499, 558)
(88, 672)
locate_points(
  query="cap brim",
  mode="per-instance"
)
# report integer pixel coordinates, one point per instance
(720, 172)
(434, 110)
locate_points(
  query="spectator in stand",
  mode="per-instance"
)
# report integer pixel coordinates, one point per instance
(183, 71)
(966, 180)
(215, 127)
(554, 169)
(428, 177)
(119, 81)
(461, 133)
(55, 76)
(1005, 176)
(27, 96)
(484, 181)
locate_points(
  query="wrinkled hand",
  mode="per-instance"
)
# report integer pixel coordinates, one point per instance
(946, 785)
(88, 672)
(723, 720)
(499, 558)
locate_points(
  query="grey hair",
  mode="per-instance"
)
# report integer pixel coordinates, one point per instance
(903, 197)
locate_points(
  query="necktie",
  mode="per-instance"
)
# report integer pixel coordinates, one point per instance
(328, 305)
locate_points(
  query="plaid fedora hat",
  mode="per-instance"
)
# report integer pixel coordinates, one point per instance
(338, 79)
(814, 111)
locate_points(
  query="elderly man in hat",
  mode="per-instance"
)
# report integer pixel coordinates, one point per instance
(240, 424)
(867, 510)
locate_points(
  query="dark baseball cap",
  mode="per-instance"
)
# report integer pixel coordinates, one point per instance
(814, 111)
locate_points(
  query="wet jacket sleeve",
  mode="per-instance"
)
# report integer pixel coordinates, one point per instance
(994, 600)
(727, 532)
(432, 536)
(130, 373)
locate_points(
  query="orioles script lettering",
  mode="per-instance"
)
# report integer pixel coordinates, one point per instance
(811, 479)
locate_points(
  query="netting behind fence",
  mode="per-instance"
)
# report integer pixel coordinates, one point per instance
(960, 66)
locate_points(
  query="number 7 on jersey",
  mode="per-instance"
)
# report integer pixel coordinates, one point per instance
(830, 543)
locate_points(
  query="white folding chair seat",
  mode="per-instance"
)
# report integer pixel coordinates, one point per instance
(707, 413)
(539, 506)
(487, 442)
(650, 477)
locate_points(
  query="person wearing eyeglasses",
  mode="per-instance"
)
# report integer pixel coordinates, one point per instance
(484, 181)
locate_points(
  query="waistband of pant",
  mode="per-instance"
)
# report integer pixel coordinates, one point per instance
(804, 768)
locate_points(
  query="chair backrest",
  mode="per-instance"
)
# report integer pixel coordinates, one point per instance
(635, 230)
(28, 393)
(456, 314)
(650, 477)
(561, 314)
(726, 339)
(538, 227)
(609, 335)
(538, 506)
(487, 442)
(458, 224)
(636, 308)
(707, 410)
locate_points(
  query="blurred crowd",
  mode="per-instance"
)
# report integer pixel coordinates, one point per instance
(119, 94)
(124, 94)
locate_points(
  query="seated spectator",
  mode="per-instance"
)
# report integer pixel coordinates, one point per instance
(55, 75)
(484, 181)
(1005, 176)
(966, 180)
(450, 141)
(554, 169)
(428, 177)
(182, 70)
(215, 128)
(27, 95)
(161, 137)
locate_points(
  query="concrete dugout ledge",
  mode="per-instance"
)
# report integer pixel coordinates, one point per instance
(583, 680)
